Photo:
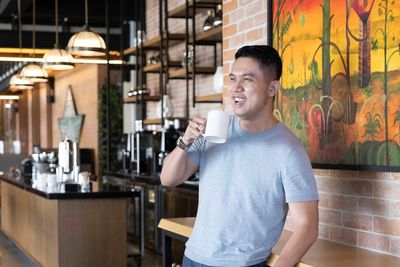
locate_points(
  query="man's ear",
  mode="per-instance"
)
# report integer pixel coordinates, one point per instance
(273, 88)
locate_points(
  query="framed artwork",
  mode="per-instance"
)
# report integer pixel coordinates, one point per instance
(341, 79)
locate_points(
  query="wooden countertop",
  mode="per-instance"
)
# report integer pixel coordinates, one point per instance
(322, 254)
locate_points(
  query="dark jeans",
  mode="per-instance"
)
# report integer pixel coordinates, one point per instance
(189, 263)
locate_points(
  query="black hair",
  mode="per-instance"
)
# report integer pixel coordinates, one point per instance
(265, 55)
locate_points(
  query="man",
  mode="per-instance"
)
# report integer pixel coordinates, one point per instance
(247, 184)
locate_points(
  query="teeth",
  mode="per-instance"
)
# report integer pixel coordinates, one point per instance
(241, 100)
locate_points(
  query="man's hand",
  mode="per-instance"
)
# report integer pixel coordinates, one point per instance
(194, 130)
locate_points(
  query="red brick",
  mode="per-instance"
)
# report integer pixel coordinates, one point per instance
(373, 241)
(375, 175)
(229, 54)
(237, 15)
(226, 43)
(246, 25)
(226, 20)
(344, 173)
(330, 216)
(261, 18)
(238, 40)
(387, 226)
(387, 189)
(357, 221)
(254, 8)
(255, 34)
(395, 176)
(395, 209)
(229, 30)
(342, 235)
(358, 187)
(323, 231)
(329, 184)
(395, 246)
(374, 206)
(339, 202)
(321, 172)
(229, 6)
(244, 2)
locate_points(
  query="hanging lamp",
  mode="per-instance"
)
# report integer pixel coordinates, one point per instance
(17, 82)
(56, 58)
(86, 43)
(34, 71)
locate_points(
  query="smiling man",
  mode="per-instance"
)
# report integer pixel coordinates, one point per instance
(248, 184)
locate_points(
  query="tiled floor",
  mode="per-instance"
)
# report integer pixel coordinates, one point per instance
(12, 256)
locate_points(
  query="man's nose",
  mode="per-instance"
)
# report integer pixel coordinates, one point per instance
(237, 86)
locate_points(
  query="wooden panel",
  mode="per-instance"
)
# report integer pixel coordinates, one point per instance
(214, 34)
(93, 232)
(135, 99)
(209, 98)
(154, 43)
(179, 12)
(180, 73)
(31, 221)
(156, 67)
(23, 122)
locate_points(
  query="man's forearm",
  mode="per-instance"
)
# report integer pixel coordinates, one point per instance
(175, 168)
(297, 245)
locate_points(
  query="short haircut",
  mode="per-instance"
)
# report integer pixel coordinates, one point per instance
(265, 55)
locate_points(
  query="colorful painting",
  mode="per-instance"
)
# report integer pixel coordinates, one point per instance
(341, 79)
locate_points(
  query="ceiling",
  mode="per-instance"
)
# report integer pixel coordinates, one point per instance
(71, 19)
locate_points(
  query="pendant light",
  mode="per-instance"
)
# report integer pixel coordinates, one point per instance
(34, 71)
(86, 43)
(17, 82)
(56, 58)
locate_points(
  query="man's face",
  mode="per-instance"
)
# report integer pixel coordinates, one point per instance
(249, 89)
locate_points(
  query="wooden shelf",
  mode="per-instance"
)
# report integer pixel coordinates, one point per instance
(180, 73)
(154, 43)
(154, 68)
(213, 98)
(138, 98)
(214, 35)
(179, 12)
(152, 121)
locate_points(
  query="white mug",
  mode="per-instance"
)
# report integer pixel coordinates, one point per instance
(217, 127)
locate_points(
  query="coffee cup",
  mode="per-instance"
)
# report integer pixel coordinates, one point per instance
(217, 127)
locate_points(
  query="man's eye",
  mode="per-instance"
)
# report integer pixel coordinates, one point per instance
(247, 79)
(231, 78)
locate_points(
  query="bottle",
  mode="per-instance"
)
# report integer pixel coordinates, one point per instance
(218, 80)
(208, 23)
(218, 17)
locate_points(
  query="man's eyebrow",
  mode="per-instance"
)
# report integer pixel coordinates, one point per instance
(244, 74)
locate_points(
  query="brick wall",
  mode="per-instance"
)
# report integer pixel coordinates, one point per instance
(356, 208)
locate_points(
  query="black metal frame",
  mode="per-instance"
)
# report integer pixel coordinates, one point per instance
(195, 43)
(167, 237)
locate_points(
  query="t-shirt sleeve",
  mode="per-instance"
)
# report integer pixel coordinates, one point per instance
(298, 178)
(194, 151)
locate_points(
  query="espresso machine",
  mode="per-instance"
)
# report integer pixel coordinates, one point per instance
(68, 161)
(152, 144)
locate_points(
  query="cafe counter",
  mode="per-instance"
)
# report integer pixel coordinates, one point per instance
(66, 229)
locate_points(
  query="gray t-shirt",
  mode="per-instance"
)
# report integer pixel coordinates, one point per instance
(245, 185)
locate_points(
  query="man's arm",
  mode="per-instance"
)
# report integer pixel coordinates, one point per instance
(177, 166)
(305, 232)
